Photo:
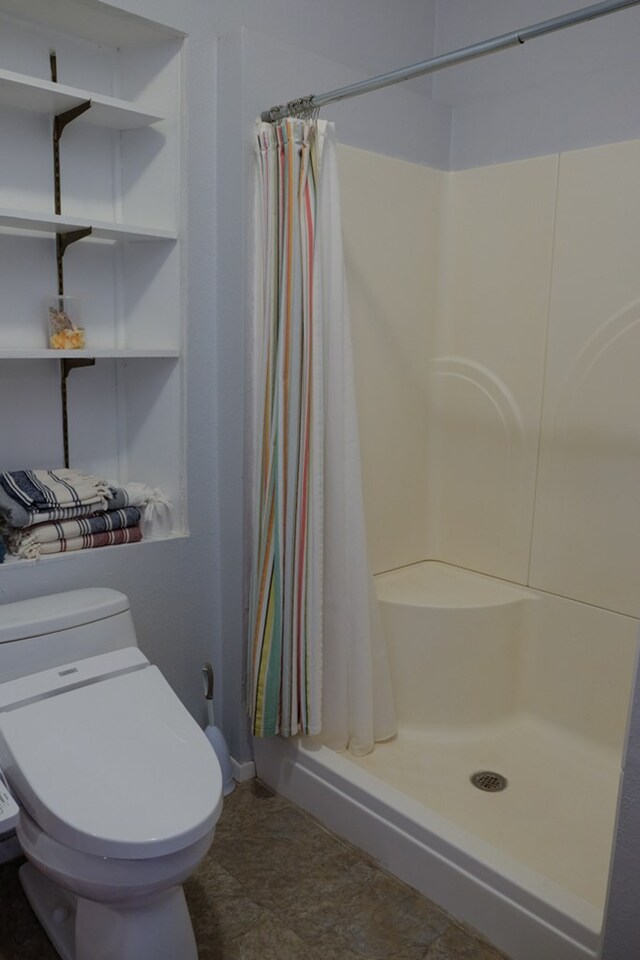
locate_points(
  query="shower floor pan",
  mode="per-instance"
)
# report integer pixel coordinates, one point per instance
(487, 677)
(556, 815)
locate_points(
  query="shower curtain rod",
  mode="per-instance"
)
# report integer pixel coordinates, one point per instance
(306, 106)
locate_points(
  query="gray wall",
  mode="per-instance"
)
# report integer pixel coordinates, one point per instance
(576, 88)
(369, 35)
(622, 928)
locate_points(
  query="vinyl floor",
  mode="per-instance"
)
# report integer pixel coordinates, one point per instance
(277, 886)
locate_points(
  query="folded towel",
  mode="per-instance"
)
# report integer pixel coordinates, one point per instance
(11, 511)
(39, 508)
(16, 516)
(28, 541)
(118, 498)
(134, 494)
(93, 540)
(32, 496)
(156, 517)
(48, 489)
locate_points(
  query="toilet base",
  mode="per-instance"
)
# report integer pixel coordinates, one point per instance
(154, 928)
(54, 907)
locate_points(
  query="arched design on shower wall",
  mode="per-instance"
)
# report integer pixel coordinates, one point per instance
(476, 419)
(589, 435)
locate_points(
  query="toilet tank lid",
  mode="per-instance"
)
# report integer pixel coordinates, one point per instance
(59, 611)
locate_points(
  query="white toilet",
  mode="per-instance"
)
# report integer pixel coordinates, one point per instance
(119, 789)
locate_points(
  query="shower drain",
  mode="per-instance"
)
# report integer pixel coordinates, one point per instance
(489, 781)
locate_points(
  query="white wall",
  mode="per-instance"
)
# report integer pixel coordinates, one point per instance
(573, 89)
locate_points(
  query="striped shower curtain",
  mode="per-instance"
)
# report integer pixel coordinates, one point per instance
(286, 613)
(317, 662)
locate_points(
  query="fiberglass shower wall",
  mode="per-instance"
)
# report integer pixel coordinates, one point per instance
(391, 215)
(496, 342)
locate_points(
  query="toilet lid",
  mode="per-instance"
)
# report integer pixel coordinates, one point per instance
(117, 768)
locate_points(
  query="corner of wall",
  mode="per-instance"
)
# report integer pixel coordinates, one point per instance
(233, 233)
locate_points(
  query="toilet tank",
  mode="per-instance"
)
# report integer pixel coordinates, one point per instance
(54, 630)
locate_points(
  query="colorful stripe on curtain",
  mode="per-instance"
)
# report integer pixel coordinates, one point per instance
(286, 589)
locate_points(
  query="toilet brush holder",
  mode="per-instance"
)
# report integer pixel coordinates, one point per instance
(215, 735)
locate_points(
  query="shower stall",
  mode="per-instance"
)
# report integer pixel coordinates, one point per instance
(496, 328)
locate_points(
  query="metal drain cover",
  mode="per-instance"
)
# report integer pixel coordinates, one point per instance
(489, 781)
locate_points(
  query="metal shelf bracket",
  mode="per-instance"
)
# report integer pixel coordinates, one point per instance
(64, 240)
(67, 364)
(59, 123)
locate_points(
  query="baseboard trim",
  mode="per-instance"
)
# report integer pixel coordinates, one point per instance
(243, 771)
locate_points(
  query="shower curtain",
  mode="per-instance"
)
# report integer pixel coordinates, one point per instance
(317, 660)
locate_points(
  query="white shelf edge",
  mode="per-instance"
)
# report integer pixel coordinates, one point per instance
(125, 353)
(100, 229)
(114, 27)
(43, 96)
(11, 562)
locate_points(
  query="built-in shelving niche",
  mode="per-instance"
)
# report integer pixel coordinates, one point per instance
(120, 169)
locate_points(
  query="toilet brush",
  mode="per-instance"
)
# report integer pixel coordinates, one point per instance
(215, 735)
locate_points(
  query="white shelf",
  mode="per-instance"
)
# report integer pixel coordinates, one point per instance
(44, 96)
(97, 354)
(100, 229)
(146, 543)
(125, 415)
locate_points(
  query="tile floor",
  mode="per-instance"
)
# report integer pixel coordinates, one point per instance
(277, 886)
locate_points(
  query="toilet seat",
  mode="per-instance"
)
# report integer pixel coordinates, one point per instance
(117, 768)
(107, 879)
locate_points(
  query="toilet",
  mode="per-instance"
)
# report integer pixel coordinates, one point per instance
(118, 788)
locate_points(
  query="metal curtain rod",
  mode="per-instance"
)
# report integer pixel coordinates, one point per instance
(308, 105)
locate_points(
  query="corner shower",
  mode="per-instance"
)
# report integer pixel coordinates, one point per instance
(521, 672)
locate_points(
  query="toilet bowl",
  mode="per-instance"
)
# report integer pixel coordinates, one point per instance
(119, 792)
(106, 879)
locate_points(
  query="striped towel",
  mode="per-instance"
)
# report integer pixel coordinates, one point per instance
(93, 540)
(28, 541)
(129, 495)
(33, 496)
(155, 506)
